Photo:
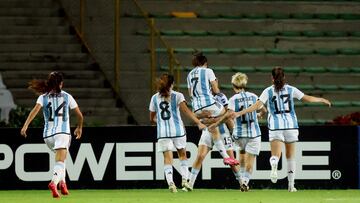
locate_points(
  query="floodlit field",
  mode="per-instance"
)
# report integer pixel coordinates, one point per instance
(200, 195)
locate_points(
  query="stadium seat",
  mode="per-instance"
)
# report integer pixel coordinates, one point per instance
(301, 51)
(355, 103)
(183, 14)
(302, 16)
(166, 68)
(160, 50)
(143, 32)
(308, 104)
(349, 51)
(244, 69)
(254, 50)
(264, 69)
(256, 87)
(307, 122)
(292, 69)
(226, 86)
(355, 69)
(349, 16)
(208, 15)
(221, 68)
(327, 87)
(231, 16)
(255, 15)
(172, 32)
(267, 33)
(208, 50)
(338, 70)
(326, 51)
(313, 33)
(336, 33)
(160, 15)
(277, 51)
(279, 16)
(350, 87)
(196, 32)
(243, 33)
(315, 69)
(304, 87)
(326, 16)
(354, 33)
(184, 50)
(231, 50)
(220, 33)
(290, 33)
(341, 103)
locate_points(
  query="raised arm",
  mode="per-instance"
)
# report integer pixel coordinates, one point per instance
(312, 99)
(30, 117)
(80, 120)
(184, 109)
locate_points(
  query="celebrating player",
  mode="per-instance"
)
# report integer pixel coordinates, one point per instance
(282, 121)
(202, 84)
(206, 143)
(56, 104)
(164, 111)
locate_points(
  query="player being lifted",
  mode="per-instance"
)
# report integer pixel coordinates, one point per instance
(56, 104)
(206, 142)
(202, 84)
(246, 131)
(164, 111)
(282, 121)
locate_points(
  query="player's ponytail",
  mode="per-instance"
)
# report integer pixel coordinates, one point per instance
(164, 84)
(52, 84)
(278, 78)
(199, 59)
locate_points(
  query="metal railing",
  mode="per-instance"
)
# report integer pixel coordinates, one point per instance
(173, 62)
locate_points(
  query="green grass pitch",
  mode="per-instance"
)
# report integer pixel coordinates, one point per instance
(198, 195)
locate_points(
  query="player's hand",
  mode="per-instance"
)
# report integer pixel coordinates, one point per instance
(234, 115)
(212, 127)
(23, 131)
(78, 133)
(201, 126)
(327, 102)
(259, 115)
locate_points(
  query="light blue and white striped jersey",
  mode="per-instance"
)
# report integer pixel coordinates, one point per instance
(169, 123)
(198, 82)
(245, 126)
(56, 112)
(280, 106)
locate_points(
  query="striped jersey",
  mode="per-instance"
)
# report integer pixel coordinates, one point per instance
(56, 112)
(198, 83)
(280, 106)
(169, 123)
(247, 125)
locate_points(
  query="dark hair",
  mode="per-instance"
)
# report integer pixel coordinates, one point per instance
(198, 59)
(279, 78)
(164, 83)
(45, 86)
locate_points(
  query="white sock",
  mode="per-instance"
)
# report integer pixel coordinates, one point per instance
(220, 146)
(246, 178)
(58, 172)
(242, 171)
(168, 170)
(291, 166)
(184, 169)
(274, 160)
(193, 175)
(63, 178)
(237, 175)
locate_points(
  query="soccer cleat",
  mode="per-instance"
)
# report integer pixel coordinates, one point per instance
(244, 188)
(273, 174)
(63, 188)
(186, 187)
(231, 161)
(292, 189)
(54, 190)
(172, 188)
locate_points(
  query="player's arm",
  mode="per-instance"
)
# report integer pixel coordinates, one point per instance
(262, 111)
(184, 109)
(312, 99)
(30, 117)
(80, 120)
(153, 117)
(222, 119)
(258, 104)
(215, 87)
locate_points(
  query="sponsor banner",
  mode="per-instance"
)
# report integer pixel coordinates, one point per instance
(127, 157)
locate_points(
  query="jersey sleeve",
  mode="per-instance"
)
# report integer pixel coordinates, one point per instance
(210, 74)
(72, 102)
(40, 100)
(264, 97)
(298, 94)
(180, 98)
(152, 104)
(231, 104)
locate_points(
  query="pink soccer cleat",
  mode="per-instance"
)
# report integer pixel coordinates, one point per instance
(54, 190)
(63, 188)
(231, 161)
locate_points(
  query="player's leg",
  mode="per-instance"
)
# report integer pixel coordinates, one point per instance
(62, 184)
(235, 168)
(58, 171)
(252, 149)
(291, 137)
(168, 170)
(184, 168)
(203, 150)
(276, 139)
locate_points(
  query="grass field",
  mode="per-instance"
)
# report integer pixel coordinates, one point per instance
(200, 195)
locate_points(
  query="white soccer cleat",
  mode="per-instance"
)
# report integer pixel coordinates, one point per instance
(273, 174)
(172, 188)
(292, 189)
(186, 186)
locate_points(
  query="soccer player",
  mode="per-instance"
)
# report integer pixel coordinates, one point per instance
(202, 84)
(164, 111)
(56, 104)
(246, 132)
(282, 121)
(206, 143)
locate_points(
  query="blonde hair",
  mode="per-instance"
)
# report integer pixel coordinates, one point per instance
(239, 80)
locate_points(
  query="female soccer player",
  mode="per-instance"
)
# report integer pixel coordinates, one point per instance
(206, 143)
(202, 84)
(282, 121)
(56, 104)
(164, 111)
